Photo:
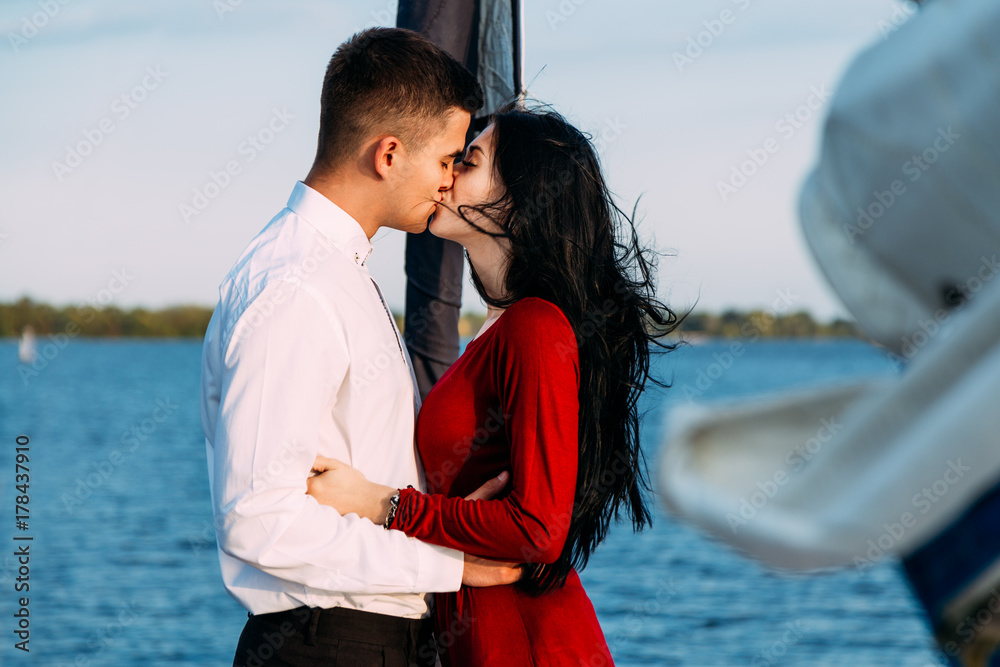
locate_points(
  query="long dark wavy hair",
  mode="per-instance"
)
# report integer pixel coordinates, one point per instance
(570, 244)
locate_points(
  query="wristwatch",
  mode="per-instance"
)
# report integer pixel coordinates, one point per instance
(393, 506)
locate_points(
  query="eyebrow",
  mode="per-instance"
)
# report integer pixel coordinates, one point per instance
(456, 154)
(476, 148)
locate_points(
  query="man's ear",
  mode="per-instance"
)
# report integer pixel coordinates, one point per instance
(387, 155)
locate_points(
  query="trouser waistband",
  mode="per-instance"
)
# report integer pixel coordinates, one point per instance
(353, 625)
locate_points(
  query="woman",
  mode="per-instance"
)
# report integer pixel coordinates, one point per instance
(547, 389)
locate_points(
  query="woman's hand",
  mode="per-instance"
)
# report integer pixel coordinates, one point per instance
(348, 491)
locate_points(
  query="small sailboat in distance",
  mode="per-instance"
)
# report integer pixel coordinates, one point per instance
(26, 352)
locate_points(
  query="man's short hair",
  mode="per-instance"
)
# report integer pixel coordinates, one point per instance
(391, 81)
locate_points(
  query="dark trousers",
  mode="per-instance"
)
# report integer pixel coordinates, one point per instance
(339, 637)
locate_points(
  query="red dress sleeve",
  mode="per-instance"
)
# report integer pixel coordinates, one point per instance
(537, 381)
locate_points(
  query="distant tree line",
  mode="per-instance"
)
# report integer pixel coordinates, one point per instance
(191, 321)
(763, 324)
(87, 321)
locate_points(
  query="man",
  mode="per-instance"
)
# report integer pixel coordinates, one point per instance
(302, 357)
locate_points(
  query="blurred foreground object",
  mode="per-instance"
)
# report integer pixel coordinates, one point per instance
(902, 214)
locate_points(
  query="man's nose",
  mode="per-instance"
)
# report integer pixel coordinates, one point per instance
(448, 181)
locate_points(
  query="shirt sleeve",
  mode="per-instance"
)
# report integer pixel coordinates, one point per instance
(537, 378)
(282, 370)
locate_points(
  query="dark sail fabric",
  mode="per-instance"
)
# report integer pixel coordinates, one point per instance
(481, 34)
(943, 571)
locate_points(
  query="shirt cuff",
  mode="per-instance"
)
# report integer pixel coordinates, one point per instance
(439, 569)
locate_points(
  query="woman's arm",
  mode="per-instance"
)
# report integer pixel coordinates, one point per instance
(348, 491)
(537, 380)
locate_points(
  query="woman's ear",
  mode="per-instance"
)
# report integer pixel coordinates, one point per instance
(387, 154)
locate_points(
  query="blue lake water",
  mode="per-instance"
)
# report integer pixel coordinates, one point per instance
(123, 567)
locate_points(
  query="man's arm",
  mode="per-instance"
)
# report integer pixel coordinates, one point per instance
(281, 373)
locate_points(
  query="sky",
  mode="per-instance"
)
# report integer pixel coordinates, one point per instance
(120, 118)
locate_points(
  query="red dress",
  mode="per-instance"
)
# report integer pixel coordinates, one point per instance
(510, 402)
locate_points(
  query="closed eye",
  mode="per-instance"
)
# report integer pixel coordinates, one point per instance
(467, 163)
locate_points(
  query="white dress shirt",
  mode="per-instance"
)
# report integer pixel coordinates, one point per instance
(301, 357)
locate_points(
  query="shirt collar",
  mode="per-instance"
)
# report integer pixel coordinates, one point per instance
(333, 222)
